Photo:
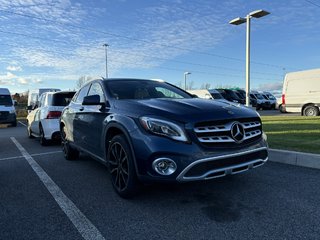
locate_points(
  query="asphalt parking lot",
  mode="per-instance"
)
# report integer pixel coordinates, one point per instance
(43, 196)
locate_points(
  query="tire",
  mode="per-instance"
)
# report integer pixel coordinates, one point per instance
(43, 140)
(29, 131)
(121, 167)
(69, 152)
(311, 111)
(281, 109)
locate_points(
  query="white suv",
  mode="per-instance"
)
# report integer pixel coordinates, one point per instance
(43, 122)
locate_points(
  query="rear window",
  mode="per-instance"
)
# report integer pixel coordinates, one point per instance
(62, 99)
(6, 100)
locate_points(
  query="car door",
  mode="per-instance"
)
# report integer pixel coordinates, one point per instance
(92, 121)
(34, 126)
(76, 114)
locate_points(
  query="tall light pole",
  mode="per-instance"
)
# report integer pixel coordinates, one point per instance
(106, 50)
(238, 21)
(185, 79)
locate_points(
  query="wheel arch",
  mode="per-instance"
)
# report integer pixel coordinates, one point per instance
(112, 130)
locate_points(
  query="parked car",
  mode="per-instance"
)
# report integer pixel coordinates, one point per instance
(7, 108)
(242, 95)
(33, 97)
(43, 122)
(146, 131)
(262, 102)
(215, 94)
(229, 95)
(272, 99)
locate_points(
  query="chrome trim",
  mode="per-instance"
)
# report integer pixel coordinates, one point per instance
(227, 128)
(224, 171)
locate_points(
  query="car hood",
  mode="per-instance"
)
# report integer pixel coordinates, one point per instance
(184, 110)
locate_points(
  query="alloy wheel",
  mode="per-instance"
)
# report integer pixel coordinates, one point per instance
(119, 166)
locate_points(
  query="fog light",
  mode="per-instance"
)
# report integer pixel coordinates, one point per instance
(164, 166)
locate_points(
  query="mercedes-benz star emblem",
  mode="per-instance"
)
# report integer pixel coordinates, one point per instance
(237, 132)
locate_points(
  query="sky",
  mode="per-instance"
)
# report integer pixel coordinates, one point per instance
(53, 43)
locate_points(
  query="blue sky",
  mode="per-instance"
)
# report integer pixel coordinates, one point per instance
(53, 43)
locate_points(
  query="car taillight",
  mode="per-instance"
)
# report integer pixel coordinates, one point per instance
(53, 114)
(283, 99)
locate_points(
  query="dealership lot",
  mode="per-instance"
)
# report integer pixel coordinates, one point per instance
(43, 196)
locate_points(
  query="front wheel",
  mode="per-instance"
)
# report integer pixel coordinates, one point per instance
(311, 111)
(121, 167)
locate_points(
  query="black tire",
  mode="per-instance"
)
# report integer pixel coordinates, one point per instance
(311, 111)
(121, 167)
(69, 152)
(43, 140)
(281, 109)
(29, 131)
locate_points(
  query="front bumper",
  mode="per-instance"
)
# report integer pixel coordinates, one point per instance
(193, 161)
(6, 117)
(208, 168)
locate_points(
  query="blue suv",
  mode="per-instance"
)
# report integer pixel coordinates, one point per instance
(148, 130)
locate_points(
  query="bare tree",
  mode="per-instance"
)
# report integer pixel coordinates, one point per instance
(206, 86)
(83, 80)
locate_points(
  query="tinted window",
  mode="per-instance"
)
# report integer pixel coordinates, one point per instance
(82, 93)
(143, 89)
(62, 99)
(216, 95)
(5, 100)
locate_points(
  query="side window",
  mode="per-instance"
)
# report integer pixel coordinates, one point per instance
(96, 89)
(81, 94)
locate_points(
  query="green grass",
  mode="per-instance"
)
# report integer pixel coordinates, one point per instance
(293, 133)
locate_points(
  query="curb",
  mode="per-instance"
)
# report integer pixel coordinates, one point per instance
(295, 158)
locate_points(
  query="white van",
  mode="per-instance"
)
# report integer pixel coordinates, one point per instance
(201, 93)
(7, 110)
(301, 92)
(34, 95)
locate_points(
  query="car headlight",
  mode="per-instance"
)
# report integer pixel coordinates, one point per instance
(163, 128)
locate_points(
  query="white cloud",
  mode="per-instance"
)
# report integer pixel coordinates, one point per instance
(14, 68)
(22, 81)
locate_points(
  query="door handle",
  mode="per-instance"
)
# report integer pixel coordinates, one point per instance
(81, 109)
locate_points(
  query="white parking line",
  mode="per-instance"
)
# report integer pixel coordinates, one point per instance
(22, 123)
(79, 220)
(36, 154)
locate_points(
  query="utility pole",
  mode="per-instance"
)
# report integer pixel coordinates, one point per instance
(106, 50)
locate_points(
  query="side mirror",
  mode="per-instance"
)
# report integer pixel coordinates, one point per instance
(91, 100)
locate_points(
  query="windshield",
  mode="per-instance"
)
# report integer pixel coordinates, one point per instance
(143, 89)
(259, 96)
(5, 100)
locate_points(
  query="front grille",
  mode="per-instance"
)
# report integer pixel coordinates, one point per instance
(219, 133)
(202, 168)
(4, 114)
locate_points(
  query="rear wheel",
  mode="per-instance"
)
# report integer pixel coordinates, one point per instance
(43, 140)
(121, 167)
(311, 111)
(69, 152)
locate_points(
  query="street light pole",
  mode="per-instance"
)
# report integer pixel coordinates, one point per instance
(248, 62)
(106, 50)
(185, 80)
(238, 21)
